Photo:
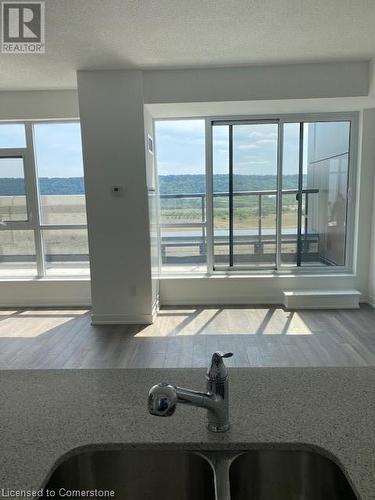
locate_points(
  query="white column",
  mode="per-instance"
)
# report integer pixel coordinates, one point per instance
(112, 122)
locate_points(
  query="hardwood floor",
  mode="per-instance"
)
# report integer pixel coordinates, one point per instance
(186, 337)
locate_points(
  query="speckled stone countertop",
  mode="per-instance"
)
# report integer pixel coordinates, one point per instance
(45, 414)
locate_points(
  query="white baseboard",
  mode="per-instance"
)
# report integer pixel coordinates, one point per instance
(371, 301)
(216, 301)
(121, 319)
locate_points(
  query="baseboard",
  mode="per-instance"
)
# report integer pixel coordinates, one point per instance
(121, 319)
(216, 301)
(371, 301)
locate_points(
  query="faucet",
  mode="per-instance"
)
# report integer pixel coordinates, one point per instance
(163, 397)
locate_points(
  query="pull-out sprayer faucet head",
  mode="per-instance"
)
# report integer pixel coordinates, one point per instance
(162, 400)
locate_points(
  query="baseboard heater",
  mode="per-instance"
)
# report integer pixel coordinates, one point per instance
(321, 299)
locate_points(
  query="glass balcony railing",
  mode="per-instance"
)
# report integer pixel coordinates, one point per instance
(184, 229)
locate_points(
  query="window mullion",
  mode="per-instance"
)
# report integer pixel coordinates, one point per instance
(209, 198)
(32, 190)
(279, 195)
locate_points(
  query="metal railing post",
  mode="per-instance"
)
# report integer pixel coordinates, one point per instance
(259, 249)
(305, 243)
(203, 247)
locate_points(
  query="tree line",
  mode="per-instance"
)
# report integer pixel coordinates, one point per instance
(168, 184)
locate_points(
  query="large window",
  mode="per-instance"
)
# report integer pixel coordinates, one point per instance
(275, 193)
(43, 228)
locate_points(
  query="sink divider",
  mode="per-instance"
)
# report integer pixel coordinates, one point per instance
(220, 463)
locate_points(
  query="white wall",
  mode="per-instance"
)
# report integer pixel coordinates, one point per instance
(293, 81)
(263, 289)
(45, 293)
(112, 124)
(39, 105)
(369, 154)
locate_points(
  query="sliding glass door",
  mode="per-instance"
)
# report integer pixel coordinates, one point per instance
(280, 194)
(244, 194)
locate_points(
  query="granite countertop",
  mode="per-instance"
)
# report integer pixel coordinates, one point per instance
(45, 414)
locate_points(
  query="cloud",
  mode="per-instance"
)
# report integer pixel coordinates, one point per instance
(246, 146)
(256, 135)
(184, 140)
(180, 127)
(253, 163)
(176, 168)
(180, 147)
(267, 141)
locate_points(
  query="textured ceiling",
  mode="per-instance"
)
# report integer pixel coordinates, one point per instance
(114, 34)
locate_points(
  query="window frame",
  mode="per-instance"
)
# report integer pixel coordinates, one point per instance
(28, 153)
(281, 119)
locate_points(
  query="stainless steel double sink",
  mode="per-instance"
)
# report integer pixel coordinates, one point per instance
(262, 474)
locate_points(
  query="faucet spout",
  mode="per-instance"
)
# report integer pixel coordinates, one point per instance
(194, 398)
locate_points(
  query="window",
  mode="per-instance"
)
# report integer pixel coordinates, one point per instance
(43, 228)
(12, 135)
(17, 253)
(244, 194)
(60, 173)
(181, 173)
(13, 205)
(315, 194)
(279, 197)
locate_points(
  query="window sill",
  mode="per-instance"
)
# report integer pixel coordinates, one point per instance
(270, 275)
(48, 279)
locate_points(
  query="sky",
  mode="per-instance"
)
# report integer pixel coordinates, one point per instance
(57, 147)
(180, 148)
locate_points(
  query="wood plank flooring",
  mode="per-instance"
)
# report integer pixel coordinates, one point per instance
(186, 337)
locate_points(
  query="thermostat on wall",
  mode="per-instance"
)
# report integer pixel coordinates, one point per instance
(117, 190)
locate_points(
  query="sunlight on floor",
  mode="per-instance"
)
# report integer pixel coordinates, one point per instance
(36, 322)
(226, 321)
(8, 312)
(52, 313)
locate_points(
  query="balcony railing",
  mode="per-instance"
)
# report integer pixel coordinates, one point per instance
(185, 234)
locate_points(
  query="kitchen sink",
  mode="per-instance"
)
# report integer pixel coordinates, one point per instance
(262, 474)
(287, 475)
(136, 475)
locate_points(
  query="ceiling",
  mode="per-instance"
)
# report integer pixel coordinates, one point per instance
(118, 34)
